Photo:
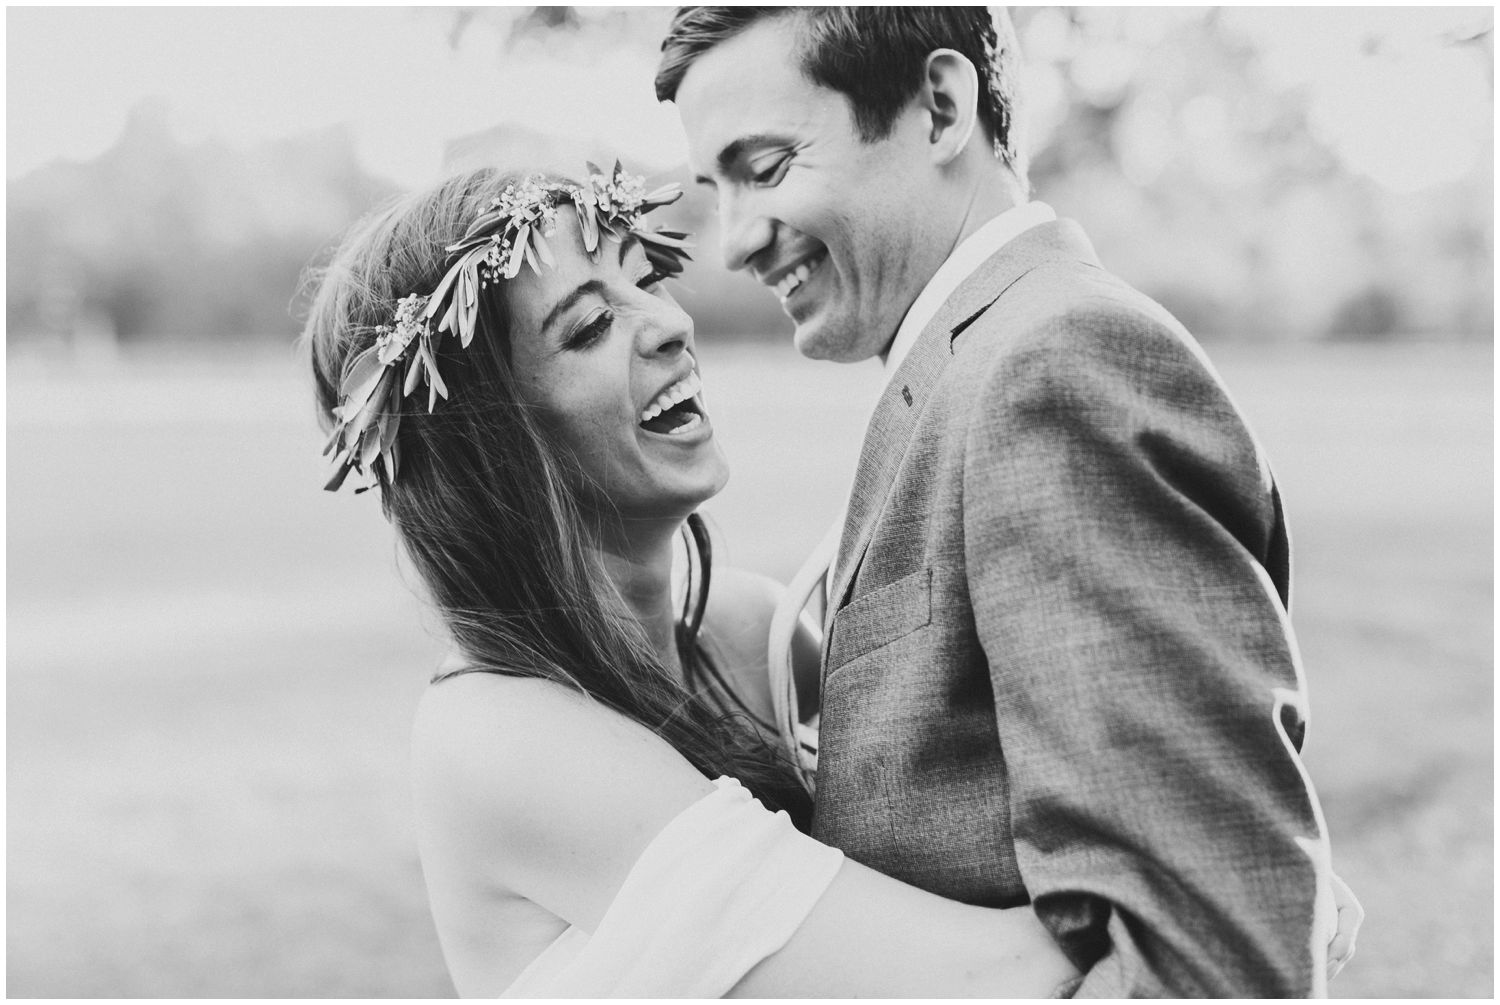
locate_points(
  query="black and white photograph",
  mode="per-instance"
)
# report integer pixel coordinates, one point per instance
(773, 502)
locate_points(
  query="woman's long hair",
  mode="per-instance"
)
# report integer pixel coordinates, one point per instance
(487, 509)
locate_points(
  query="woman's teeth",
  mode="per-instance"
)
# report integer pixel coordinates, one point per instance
(672, 396)
(796, 278)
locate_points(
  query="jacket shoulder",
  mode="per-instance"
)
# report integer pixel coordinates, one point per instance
(1070, 304)
(1074, 321)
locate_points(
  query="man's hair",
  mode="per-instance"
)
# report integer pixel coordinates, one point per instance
(874, 56)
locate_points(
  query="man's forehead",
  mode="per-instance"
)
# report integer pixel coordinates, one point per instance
(744, 74)
(732, 104)
(766, 47)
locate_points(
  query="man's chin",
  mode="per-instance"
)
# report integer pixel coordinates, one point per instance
(818, 341)
(809, 345)
(813, 336)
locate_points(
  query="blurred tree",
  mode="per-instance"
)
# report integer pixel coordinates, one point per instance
(581, 30)
(166, 240)
(1264, 173)
(1196, 146)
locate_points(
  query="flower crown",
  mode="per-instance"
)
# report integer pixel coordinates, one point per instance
(510, 233)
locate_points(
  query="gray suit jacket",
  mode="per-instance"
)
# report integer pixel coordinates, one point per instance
(1058, 665)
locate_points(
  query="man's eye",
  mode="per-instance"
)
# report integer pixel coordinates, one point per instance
(592, 331)
(771, 173)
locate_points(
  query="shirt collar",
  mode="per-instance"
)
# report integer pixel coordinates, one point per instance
(972, 252)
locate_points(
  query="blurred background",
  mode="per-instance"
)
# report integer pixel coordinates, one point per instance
(212, 664)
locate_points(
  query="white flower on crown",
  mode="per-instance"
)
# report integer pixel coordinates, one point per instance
(407, 309)
(521, 199)
(622, 194)
(406, 324)
(548, 218)
(496, 254)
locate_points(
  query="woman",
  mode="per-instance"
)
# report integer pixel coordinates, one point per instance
(573, 836)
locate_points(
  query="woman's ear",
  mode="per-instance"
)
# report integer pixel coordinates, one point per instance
(950, 96)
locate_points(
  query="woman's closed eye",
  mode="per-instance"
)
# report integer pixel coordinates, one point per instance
(597, 325)
(591, 331)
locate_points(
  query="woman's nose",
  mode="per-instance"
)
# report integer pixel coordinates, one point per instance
(670, 332)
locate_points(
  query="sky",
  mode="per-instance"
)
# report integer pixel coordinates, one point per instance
(249, 74)
(253, 73)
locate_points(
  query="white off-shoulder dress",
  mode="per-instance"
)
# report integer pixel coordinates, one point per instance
(723, 886)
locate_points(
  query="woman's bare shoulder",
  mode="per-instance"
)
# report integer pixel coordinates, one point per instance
(483, 715)
(523, 740)
(491, 708)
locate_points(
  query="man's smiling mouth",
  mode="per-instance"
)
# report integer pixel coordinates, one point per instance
(794, 279)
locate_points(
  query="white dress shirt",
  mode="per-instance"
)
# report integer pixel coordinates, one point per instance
(972, 252)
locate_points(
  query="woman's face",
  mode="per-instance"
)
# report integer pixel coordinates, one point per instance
(606, 354)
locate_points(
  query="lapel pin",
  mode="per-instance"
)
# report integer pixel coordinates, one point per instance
(906, 393)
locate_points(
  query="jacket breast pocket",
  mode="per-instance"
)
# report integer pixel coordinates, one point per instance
(880, 617)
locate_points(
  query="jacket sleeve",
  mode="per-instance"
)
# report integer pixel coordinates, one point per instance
(1147, 688)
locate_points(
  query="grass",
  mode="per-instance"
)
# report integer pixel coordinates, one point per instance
(212, 664)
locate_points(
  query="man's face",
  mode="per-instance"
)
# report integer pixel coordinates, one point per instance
(838, 227)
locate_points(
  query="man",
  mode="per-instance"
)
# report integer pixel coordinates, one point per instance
(1057, 665)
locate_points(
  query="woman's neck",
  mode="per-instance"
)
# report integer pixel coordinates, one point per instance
(639, 562)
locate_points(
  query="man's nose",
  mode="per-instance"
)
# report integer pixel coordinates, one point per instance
(744, 232)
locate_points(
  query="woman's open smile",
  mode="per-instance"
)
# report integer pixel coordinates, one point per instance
(607, 356)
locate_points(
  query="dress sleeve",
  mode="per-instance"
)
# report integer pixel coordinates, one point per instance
(723, 886)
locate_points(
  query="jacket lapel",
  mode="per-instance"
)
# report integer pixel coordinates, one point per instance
(889, 434)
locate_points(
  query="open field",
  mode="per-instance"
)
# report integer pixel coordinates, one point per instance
(212, 663)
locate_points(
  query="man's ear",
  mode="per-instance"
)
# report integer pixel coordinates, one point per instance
(950, 96)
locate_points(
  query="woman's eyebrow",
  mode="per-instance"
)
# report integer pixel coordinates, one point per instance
(576, 294)
(589, 286)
